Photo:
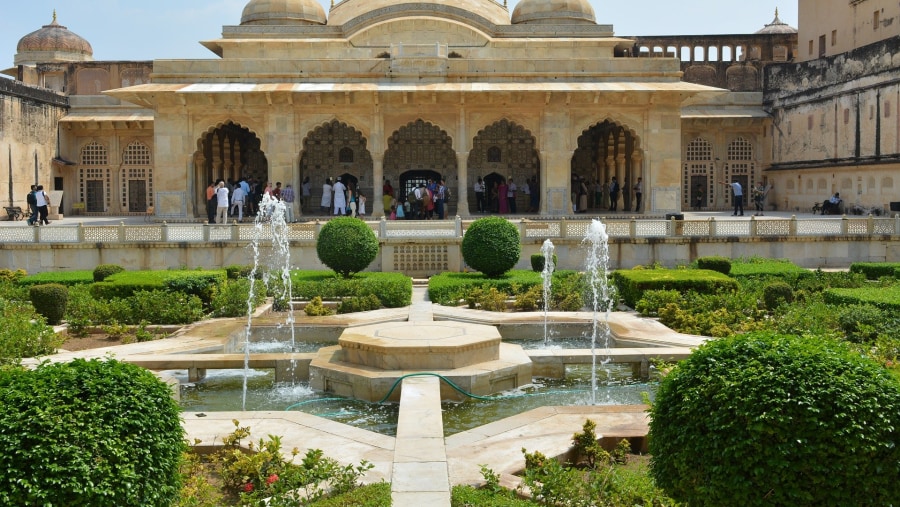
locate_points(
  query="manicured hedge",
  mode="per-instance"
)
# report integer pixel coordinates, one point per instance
(491, 245)
(715, 263)
(448, 288)
(126, 283)
(887, 298)
(632, 283)
(875, 270)
(769, 268)
(393, 289)
(67, 278)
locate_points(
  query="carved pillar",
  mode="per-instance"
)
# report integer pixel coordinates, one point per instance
(462, 187)
(377, 202)
(637, 171)
(624, 183)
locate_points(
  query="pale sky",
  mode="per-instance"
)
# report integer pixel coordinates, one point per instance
(172, 29)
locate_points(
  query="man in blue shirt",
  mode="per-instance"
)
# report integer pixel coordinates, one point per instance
(738, 192)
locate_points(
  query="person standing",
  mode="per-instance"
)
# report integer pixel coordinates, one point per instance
(306, 189)
(698, 198)
(287, 196)
(31, 199)
(276, 192)
(479, 194)
(613, 194)
(638, 193)
(759, 197)
(43, 203)
(511, 195)
(211, 203)
(440, 198)
(738, 192)
(221, 203)
(502, 199)
(340, 198)
(237, 201)
(327, 190)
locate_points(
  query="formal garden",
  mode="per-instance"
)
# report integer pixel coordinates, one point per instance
(796, 400)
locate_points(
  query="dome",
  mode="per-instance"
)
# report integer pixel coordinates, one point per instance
(475, 10)
(283, 12)
(557, 12)
(777, 26)
(56, 38)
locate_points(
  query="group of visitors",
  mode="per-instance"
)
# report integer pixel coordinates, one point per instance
(759, 194)
(229, 199)
(501, 195)
(602, 195)
(38, 204)
(344, 200)
(423, 202)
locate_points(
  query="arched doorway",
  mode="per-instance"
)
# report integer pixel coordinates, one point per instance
(491, 184)
(607, 150)
(504, 149)
(336, 149)
(418, 151)
(230, 152)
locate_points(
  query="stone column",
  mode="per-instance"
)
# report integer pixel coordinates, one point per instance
(637, 171)
(376, 204)
(624, 183)
(462, 186)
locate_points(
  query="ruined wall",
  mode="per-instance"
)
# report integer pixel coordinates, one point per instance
(28, 120)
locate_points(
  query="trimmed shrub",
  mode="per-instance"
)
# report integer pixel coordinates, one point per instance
(767, 419)
(104, 271)
(393, 289)
(347, 245)
(491, 245)
(67, 278)
(50, 301)
(632, 284)
(315, 308)
(99, 433)
(776, 294)
(230, 298)
(766, 269)
(163, 308)
(875, 270)
(236, 271)
(450, 288)
(720, 264)
(653, 300)
(359, 304)
(195, 283)
(864, 323)
(886, 298)
(23, 333)
(538, 260)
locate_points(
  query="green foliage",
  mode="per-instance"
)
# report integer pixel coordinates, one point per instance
(24, 333)
(587, 448)
(315, 308)
(468, 496)
(864, 323)
(236, 271)
(197, 490)
(875, 270)
(88, 433)
(164, 308)
(50, 301)
(486, 298)
(530, 300)
(451, 288)
(346, 245)
(126, 283)
(652, 300)
(776, 294)
(104, 271)
(202, 284)
(359, 304)
(767, 419)
(631, 284)
(67, 278)
(369, 495)
(230, 298)
(393, 289)
(491, 245)
(538, 260)
(720, 264)
(761, 268)
(887, 298)
(10, 276)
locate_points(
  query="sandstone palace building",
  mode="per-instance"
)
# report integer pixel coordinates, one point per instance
(408, 90)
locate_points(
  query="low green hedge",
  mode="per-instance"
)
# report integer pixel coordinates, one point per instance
(393, 289)
(875, 270)
(67, 278)
(449, 288)
(769, 268)
(122, 285)
(632, 283)
(887, 298)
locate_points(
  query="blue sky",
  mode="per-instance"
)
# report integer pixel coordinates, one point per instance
(163, 29)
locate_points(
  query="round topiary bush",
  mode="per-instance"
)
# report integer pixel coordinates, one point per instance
(491, 245)
(50, 300)
(776, 294)
(720, 264)
(347, 245)
(538, 260)
(99, 433)
(103, 271)
(766, 419)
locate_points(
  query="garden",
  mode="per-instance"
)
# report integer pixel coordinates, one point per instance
(795, 401)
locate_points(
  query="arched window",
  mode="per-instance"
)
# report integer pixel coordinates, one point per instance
(494, 154)
(345, 156)
(137, 178)
(94, 177)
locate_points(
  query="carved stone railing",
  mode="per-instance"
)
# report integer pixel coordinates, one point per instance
(389, 231)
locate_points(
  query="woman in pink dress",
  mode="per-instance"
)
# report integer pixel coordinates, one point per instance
(501, 192)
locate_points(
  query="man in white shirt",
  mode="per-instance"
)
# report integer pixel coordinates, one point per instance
(237, 201)
(738, 192)
(340, 198)
(221, 203)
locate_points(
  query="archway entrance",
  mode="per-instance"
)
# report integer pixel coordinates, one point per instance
(503, 150)
(336, 149)
(229, 152)
(419, 151)
(607, 150)
(412, 179)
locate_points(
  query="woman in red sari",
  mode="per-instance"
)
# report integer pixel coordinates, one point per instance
(501, 192)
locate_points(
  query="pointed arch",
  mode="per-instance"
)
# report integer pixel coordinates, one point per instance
(333, 149)
(740, 164)
(136, 177)
(505, 149)
(228, 151)
(419, 146)
(605, 150)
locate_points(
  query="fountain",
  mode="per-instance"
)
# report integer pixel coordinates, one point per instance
(547, 278)
(596, 263)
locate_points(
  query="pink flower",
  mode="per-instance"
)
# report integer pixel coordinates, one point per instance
(272, 478)
(248, 487)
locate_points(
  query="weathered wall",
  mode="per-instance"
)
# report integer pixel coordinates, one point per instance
(832, 27)
(28, 119)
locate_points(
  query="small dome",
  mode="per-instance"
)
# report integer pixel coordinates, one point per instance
(777, 26)
(283, 12)
(58, 39)
(556, 12)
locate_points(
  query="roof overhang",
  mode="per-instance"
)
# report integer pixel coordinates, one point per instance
(98, 119)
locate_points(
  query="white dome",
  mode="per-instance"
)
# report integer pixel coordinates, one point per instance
(283, 12)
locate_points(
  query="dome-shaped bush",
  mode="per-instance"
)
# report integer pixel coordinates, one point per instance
(99, 433)
(103, 271)
(347, 245)
(765, 419)
(50, 300)
(491, 245)
(720, 264)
